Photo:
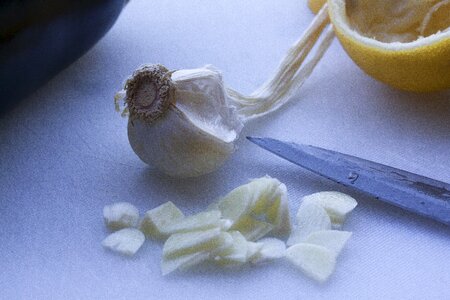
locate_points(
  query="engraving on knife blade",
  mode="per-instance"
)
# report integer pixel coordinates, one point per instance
(352, 176)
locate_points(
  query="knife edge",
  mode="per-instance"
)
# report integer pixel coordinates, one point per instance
(413, 192)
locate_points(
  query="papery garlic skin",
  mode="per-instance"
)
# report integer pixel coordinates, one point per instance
(196, 134)
(201, 96)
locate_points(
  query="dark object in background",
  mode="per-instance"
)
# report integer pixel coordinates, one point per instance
(39, 38)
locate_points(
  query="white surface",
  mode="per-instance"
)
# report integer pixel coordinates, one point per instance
(64, 155)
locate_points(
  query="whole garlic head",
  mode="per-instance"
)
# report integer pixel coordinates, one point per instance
(180, 122)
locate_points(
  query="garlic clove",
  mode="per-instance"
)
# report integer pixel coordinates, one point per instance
(200, 221)
(263, 199)
(337, 205)
(236, 254)
(263, 193)
(157, 220)
(271, 249)
(180, 244)
(333, 240)
(236, 203)
(126, 241)
(224, 243)
(184, 262)
(120, 215)
(192, 131)
(225, 224)
(253, 249)
(177, 147)
(251, 228)
(310, 217)
(278, 214)
(315, 261)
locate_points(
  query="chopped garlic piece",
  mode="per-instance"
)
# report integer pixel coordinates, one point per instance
(310, 217)
(126, 241)
(235, 204)
(252, 249)
(333, 240)
(278, 213)
(236, 254)
(263, 193)
(224, 242)
(184, 262)
(156, 221)
(179, 244)
(271, 249)
(251, 228)
(225, 224)
(337, 205)
(200, 221)
(120, 215)
(315, 261)
(257, 208)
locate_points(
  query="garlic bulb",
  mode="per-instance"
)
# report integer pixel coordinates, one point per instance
(180, 122)
(185, 123)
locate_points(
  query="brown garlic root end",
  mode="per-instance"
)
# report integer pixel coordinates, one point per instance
(149, 93)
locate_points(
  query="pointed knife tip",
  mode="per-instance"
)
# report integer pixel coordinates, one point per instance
(253, 139)
(268, 144)
(263, 142)
(256, 140)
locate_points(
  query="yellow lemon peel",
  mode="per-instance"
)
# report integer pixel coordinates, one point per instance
(405, 44)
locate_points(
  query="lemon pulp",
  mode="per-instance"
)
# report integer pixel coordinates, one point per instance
(405, 44)
(398, 21)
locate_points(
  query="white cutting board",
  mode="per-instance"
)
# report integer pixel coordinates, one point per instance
(64, 154)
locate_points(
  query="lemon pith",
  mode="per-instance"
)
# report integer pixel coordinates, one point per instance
(408, 47)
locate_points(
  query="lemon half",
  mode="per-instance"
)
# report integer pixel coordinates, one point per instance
(403, 43)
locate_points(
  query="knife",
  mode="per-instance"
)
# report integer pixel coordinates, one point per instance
(421, 195)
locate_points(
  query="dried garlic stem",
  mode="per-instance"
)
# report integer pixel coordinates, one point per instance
(148, 93)
(291, 73)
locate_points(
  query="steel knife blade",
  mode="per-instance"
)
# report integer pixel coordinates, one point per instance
(412, 192)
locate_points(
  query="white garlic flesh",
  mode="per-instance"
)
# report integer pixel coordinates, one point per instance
(120, 215)
(126, 241)
(310, 217)
(257, 208)
(180, 244)
(271, 249)
(315, 261)
(333, 240)
(184, 262)
(157, 220)
(338, 205)
(236, 254)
